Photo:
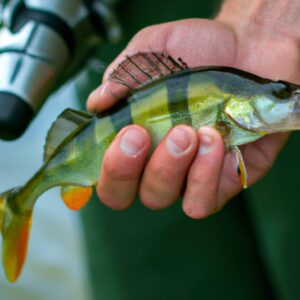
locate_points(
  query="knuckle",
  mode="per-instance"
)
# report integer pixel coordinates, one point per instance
(157, 195)
(200, 213)
(162, 173)
(150, 201)
(197, 207)
(194, 182)
(112, 201)
(200, 199)
(114, 198)
(155, 201)
(117, 172)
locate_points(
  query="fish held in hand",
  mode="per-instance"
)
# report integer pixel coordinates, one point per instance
(164, 92)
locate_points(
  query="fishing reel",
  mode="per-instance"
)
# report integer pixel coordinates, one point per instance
(42, 45)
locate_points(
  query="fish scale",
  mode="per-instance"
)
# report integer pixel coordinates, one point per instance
(178, 93)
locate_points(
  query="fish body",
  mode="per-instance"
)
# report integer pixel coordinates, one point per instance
(242, 106)
(221, 98)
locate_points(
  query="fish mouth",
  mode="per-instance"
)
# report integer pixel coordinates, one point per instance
(292, 121)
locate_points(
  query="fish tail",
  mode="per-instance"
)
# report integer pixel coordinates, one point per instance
(16, 207)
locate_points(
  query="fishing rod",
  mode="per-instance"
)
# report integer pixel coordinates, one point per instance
(42, 45)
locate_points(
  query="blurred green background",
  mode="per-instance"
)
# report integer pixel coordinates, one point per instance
(250, 250)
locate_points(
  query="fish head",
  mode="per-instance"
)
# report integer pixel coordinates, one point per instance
(274, 110)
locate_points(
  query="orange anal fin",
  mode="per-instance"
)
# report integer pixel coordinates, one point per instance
(75, 197)
(241, 168)
(15, 234)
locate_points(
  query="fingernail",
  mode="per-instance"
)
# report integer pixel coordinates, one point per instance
(179, 141)
(206, 143)
(133, 142)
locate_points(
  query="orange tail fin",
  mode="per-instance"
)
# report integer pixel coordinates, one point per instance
(15, 228)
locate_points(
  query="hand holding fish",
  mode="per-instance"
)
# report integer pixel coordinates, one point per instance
(187, 162)
(193, 118)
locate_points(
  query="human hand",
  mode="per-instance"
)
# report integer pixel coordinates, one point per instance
(257, 37)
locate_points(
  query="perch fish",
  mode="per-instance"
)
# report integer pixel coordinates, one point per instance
(164, 92)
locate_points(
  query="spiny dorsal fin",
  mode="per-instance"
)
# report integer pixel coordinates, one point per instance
(144, 67)
(67, 125)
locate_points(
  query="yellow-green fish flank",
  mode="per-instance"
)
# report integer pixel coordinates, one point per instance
(242, 106)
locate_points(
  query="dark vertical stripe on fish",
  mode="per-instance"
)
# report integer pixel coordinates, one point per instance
(178, 99)
(121, 118)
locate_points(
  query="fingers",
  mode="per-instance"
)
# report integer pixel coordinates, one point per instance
(166, 171)
(164, 175)
(201, 196)
(183, 159)
(183, 154)
(122, 167)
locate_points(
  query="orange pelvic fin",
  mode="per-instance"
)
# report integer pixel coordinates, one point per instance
(241, 168)
(75, 197)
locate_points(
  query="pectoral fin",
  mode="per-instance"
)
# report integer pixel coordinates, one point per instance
(241, 168)
(75, 197)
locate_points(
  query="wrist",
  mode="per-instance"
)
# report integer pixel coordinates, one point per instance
(276, 19)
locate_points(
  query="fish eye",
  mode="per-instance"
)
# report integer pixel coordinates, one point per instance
(283, 92)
